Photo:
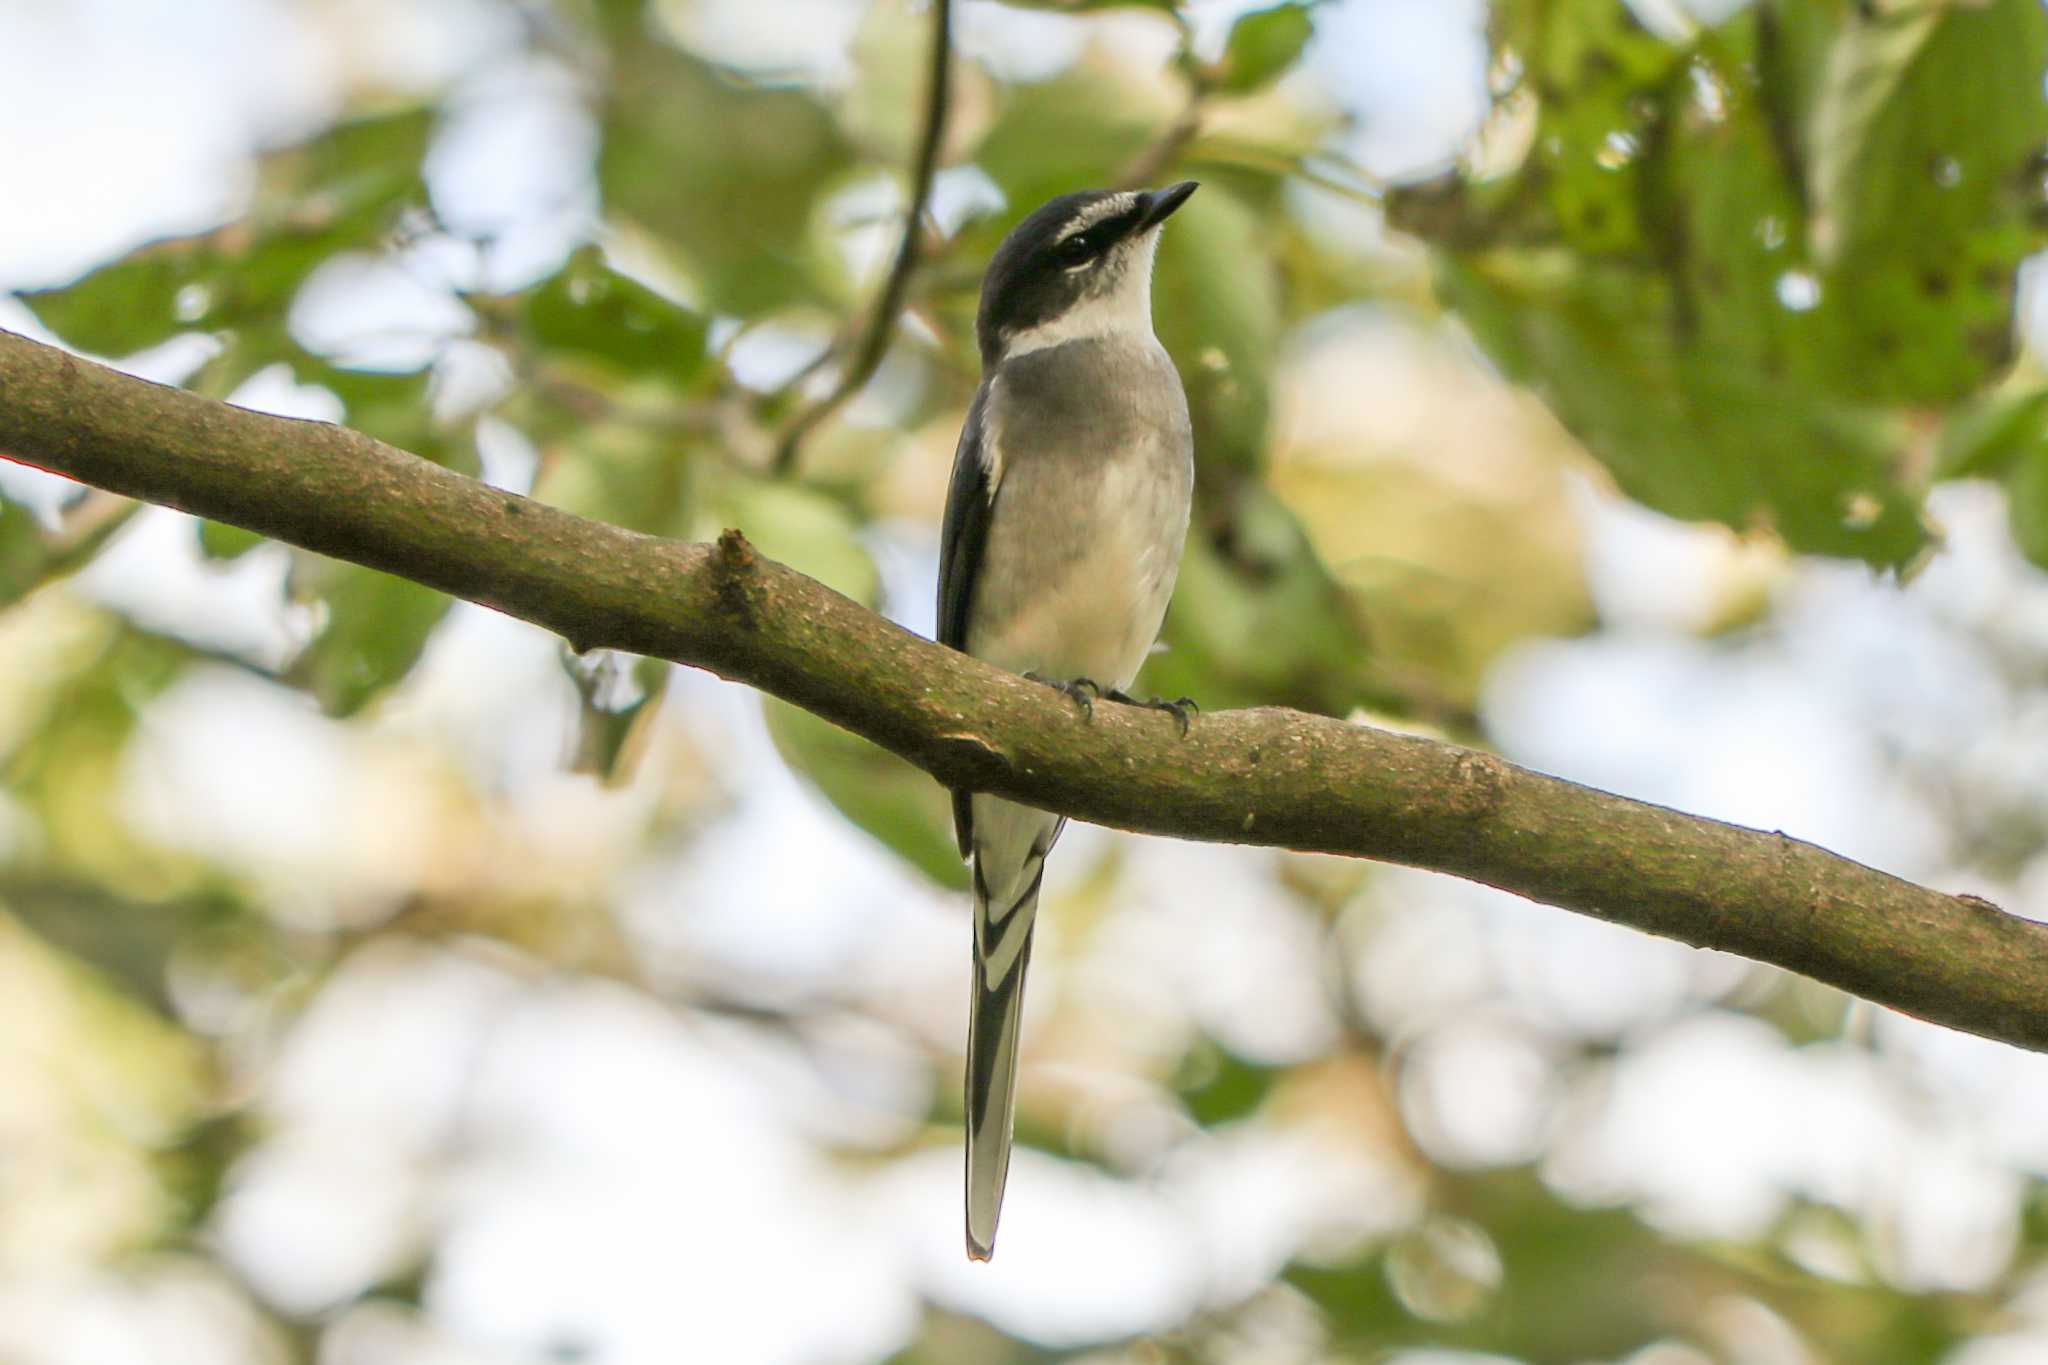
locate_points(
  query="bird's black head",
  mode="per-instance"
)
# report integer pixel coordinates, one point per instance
(1079, 266)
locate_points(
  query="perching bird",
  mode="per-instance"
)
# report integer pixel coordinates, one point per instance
(1063, 532)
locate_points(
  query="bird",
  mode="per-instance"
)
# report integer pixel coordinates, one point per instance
(1065, 518)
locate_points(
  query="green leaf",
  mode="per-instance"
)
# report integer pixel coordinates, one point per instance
(67, 768)
(883, 105)
(1216, 298)
(1354, 1298)
(1691, 433)
(31, 555)
(376, 627)
(1859, 78)
(618, 697)
(131, 304)
(22, 552)
(1936, 205)
(129, 942)
(897, 804)
(358, 170)
(339, 190)
(1055, 136)
(1260, 621)
(1217, 1086)
(1566, 45)
(725, 174)
(2026, 488)
(1443, 582)
(1743, 273)
(618, 471)
(1262, 45)
(587, 309)
(220, 541)
(1987, 434)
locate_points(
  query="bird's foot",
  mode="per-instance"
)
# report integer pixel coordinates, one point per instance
(1179, 708)
(1082, 691)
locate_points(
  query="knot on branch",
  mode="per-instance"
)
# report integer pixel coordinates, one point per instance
(734, 550)
(736, 564)
(1478, 780)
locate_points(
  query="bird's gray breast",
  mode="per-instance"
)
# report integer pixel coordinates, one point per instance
(1091, 462)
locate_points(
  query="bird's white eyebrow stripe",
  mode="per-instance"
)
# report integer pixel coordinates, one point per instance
(1122, 202)
(1126, 311)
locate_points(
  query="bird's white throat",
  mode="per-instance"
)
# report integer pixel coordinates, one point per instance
(1125, 310)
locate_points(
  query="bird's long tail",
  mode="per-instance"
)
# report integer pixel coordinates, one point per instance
(1002, 950)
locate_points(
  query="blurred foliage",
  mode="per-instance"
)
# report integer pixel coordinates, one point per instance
(742, 221)
(1262, 45)
(343, 190)
(1488, 1271)
(1757, 272)
(587, 309)
(1762, 273)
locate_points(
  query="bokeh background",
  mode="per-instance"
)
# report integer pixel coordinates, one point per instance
(1641, 390)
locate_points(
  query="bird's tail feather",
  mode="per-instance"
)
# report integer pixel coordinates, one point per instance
(1002, 951)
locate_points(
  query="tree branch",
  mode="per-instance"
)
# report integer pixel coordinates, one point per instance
(1265, 776)
(874, 342)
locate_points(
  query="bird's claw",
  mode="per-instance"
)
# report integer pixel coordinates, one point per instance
(1179, 708)
(1081, 691)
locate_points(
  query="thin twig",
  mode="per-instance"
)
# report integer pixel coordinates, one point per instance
(881, 324)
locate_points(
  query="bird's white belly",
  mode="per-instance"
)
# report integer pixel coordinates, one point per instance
(1097, 613)
(1082, 628)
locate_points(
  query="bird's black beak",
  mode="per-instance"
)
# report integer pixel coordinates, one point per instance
(1159, 204)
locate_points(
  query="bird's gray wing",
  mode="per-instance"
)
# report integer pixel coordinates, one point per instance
(963, 542)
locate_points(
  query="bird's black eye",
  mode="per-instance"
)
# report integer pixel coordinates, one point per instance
(1077, 248)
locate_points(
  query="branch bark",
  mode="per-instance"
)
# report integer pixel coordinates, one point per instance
(1264, 776)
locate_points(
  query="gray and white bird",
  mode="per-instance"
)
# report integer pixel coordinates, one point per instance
(1063, 533)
